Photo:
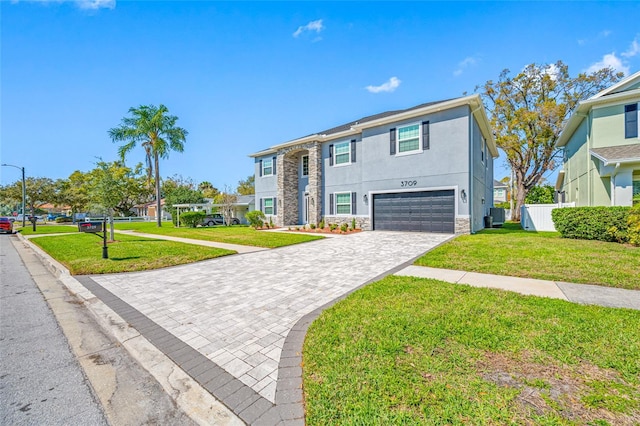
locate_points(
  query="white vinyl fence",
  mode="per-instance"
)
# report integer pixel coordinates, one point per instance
(537, 217)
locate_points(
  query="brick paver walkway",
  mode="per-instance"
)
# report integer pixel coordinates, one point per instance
(238, 310)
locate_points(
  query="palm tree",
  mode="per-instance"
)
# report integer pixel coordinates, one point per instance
(157, 133)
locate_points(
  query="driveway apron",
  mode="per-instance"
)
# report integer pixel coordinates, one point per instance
(237, 311)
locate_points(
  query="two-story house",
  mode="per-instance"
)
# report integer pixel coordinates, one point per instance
(427, 168)
(601, 164)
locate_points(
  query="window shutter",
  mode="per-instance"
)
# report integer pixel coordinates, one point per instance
(425, 135)
(275, 205)
(261, 175)
(353, 203)
(273, 165)
(331, 156)
(392, 141)
(331, 204)
(261, 209)
(353, 150)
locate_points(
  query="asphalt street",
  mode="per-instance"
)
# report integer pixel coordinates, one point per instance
(41, 382)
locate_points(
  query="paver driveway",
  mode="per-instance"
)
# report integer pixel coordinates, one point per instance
(237, 310)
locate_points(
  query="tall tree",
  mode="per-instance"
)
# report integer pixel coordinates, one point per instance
(247, 186)
(39, 191)
(178, 190)
(73, 192)
(208, 190)
(528, 113)
(157, 133)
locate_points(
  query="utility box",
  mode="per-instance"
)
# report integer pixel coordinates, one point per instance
(92, 227)
(498, 216)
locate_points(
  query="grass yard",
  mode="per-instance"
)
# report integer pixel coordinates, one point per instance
(48, 229)
(415, 351)
(82, 253)
(544, 255)
(242, 235)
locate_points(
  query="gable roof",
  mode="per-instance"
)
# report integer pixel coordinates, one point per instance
(626, 89)
(498, 184)
(617, 154)
(356, 127)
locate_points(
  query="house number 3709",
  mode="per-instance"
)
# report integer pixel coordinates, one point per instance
(408, 183)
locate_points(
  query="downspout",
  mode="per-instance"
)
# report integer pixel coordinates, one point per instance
(613, 184)
(471, 175)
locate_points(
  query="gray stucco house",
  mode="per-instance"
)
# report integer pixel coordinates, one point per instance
(426, 168)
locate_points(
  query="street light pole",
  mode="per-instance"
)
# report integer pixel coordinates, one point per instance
(24, 192)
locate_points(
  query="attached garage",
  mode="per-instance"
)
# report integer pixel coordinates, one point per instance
(425, 211)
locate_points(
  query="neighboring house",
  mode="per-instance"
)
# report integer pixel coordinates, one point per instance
(500, 192)
(148, 210)
(243, 204)
(602, 148)
(426, 168)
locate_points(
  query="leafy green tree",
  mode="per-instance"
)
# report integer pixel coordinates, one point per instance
(178, 190)
(157, 133)
(541, 194)
(208, 190)
(528, 113)
(39, 191)
(247, 186)
(73, 192)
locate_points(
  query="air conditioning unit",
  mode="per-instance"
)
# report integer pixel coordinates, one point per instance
(498, 216)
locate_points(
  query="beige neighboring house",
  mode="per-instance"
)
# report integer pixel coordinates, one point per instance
(500, 192)
(601, 164)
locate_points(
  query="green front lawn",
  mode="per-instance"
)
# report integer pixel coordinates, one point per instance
(48, 229)
(82, 253)
(237, 234)
(415, 351)
(544, 255)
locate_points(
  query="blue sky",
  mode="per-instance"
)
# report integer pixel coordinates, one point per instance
(243, 76)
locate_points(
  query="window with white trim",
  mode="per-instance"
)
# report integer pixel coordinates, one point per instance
(636, 190)
(305, 165)
(343, 202)
(342, 153)
(267, 167)
(409, 138)
(267, 205)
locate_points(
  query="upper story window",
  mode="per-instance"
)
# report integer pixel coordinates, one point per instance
(482, 149)
(342, 153)
(409, 138)
(305, 165)
(631, 121)
(267, 167)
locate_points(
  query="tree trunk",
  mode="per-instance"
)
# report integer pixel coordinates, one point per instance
(521, 194)
(111, 226)
(156, 161)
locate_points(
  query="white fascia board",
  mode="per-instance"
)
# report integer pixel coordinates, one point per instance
(632, 79)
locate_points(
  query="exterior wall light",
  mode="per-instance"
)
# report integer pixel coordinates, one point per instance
(365, 198)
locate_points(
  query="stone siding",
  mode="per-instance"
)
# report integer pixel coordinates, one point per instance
(362, 222)
(463, 225)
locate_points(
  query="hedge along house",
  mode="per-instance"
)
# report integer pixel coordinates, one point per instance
(601, 164)
(427, 168)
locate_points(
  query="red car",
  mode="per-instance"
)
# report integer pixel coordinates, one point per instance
(6, 225)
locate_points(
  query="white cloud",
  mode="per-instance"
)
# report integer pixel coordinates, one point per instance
(464, 64)
(552, 71)
(96, 4)
(311, 26)
(634, 49)
(605, 33)
(389, 86)
(609, 60)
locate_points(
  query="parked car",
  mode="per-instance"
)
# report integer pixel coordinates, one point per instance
(217, 219)
(6, 225)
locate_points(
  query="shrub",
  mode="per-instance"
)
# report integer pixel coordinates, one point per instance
(312, 226)
(333, 226)
(192, 219)
(353, 223)
(344, 227)
(271, 225)
(592, 223)
(321, 224)
(504, 205)
(255, 218)
(63, 219)
(633, 221)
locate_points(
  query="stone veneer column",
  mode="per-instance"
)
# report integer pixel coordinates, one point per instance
(287, 198)
(315, 179)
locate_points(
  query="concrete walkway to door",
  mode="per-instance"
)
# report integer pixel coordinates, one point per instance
(237, 311)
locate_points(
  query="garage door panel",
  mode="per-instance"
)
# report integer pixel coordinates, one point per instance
(425, 211)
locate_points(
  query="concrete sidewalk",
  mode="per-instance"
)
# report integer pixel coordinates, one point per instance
(578, 293)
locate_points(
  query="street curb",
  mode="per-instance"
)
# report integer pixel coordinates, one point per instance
(148, 356)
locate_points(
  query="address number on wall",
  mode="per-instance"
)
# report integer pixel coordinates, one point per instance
(404, 183)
